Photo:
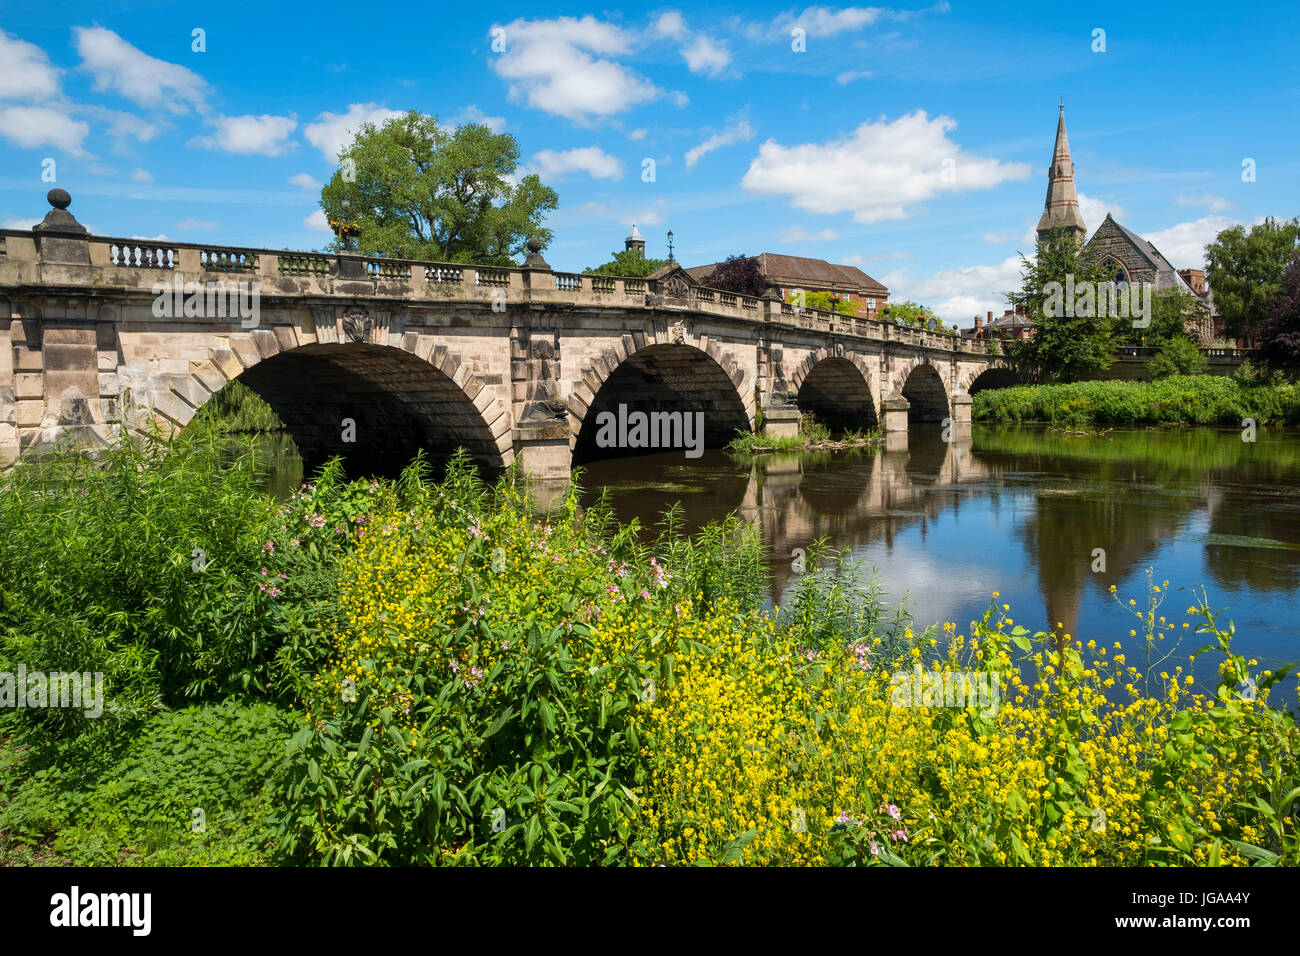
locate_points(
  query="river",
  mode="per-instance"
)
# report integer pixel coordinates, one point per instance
(1021, 511)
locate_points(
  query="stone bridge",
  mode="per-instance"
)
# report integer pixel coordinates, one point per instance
(374, 358)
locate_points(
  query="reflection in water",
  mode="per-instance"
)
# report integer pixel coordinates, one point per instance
(1015, 510)
(1022, 511)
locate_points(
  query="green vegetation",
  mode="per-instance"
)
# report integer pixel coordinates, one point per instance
(1245, 268)
(1178, 356)
(410, 672)
(1063, 347)
(417, 191)
(1279, 334)
(629, 263)
(236, 408)
(1178, 399)
(821, 302)
(812, 435)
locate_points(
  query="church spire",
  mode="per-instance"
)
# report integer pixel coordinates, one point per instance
(1061, 209)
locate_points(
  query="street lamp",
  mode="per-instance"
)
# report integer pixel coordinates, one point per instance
(670, 245)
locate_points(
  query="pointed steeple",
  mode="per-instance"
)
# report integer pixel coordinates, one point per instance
(1061, 209)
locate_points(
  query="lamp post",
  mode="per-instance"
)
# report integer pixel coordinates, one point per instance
(670, 245)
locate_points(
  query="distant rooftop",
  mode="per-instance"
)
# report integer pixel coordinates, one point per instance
(791, 270)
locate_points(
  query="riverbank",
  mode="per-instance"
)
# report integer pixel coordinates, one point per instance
(1177, 400)
(412, 672)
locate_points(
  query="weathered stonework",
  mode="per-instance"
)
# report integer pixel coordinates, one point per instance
(504, 362)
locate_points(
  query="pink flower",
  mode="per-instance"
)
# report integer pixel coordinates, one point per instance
(900, 835)
(894, 812)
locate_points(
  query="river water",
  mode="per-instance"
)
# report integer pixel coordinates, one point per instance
(1021, 511)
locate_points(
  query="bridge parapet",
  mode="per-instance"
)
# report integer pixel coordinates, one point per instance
(133, 266)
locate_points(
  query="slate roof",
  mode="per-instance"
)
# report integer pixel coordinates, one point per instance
(1166, 275)
(791, 270)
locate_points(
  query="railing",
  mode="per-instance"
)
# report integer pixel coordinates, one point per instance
(452, 275)
(134, 256)
(388, 269)
(303, 264)
(454, 279)
(227, 260)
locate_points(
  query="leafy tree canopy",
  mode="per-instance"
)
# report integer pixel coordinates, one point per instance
(739, 274)
(916, 315)
(1245, 271)
(419, 191)
(1174, 315)
(1279, 334)
(1065, 347)
(821, 301)
(629, 263)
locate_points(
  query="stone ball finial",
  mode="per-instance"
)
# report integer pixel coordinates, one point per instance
(59, 198)
(534, 245)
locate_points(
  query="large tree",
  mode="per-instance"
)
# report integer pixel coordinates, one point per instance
(916, 315)
(419, 191)
(1279, 334)
(1071, 342)
(1172, 312)
(630, 263)
(1244, 270)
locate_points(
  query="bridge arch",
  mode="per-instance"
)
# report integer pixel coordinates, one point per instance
(924, 387)
(835, 390)
(673, 377)
(399, 399)
(999, 376)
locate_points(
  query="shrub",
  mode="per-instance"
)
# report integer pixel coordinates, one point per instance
(1178, 356)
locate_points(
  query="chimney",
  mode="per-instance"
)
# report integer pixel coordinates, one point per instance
(1195, 278)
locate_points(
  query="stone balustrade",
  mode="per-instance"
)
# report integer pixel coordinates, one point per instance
(138, 263)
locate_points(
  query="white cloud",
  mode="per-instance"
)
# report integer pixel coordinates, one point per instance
(1215, 203)
(653, 216)
(703, 55)
(161, 237)
(561, 66)
(799, 234)
(1095, 211)
(878, 171)
(637, 134)
(304, 181)
(828, 21)
(592, 160)
(738, 132)
(27, 73)
(671, 24)
(331, 133)
(18, 223)
(142, 176)
(472, 114)
(1184, 244)
(317, 222)
(957, 294)
(33, 126)
(848, 76)
(997, 239)
(680, 98)
(121, 126)
(119, 67)
(250, 135)
(197, 225)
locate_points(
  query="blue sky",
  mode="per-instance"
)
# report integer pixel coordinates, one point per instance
(910, 141)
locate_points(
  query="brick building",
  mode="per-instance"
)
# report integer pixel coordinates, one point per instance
(785, 274)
